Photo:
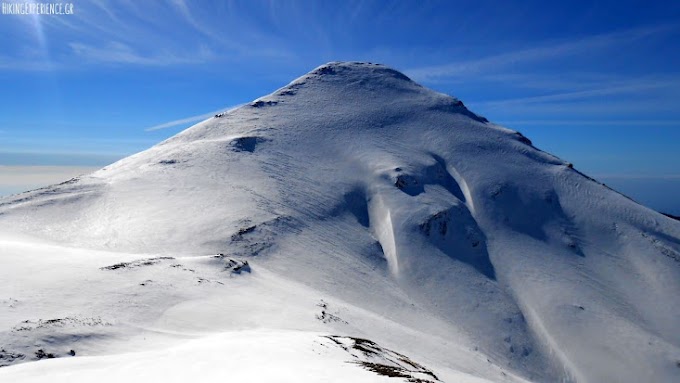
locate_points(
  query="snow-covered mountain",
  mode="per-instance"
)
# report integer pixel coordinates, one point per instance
(351, 226)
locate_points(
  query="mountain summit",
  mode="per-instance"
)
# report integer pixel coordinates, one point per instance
(356, 203)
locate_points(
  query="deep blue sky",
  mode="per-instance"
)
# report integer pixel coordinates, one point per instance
(596, 83)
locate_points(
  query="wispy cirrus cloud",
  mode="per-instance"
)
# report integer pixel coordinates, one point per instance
(546, 51)
(188, 16)
(638, 176)
(566, 96)
(586, 108)
(630, 86)
(135, 33)
(661, 123)
(119, 53)
(25, 63)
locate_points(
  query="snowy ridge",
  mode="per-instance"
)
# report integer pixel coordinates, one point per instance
(422, 227)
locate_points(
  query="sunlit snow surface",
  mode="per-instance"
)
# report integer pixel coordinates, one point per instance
(350, 204)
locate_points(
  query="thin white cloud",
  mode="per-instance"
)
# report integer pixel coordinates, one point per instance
(670, 177)
(188, 120)
(25, 64)
(592, 122)
(119, 53)
(187, 15)
(107, 32)
(263, 44)
(586, 108)
(631, 87)
(568, 81)
(606, 95)
(540, 53)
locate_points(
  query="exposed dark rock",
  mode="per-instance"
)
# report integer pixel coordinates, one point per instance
(260, 103)
(521, 138)
(243, 231)
(70, 182)
(455, 232)
(138, 263)
(29, 325)
(383, 361)
(41, 354)
(325, 316)
(235, 266)
(9, 357)
(408, 184)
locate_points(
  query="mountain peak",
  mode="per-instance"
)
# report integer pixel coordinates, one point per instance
(347, 73)
(357, 68)
(339, 83)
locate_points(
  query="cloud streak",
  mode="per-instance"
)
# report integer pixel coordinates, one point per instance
(661, 123)
(119, 53)
(634, 86)
(548, 51)
(188, 120)
(133, 33)
(638, 176)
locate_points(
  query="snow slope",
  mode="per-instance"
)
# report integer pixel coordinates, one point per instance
(365, 206)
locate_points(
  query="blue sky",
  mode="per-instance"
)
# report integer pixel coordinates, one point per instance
(596, 83)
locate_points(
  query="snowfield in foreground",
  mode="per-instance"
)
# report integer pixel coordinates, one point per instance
(351, 226)
(245, 356)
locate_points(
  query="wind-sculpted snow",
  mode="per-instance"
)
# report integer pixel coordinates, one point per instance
(416, 223)
(456, 234)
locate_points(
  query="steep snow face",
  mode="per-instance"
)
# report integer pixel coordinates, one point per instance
(365, 186)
